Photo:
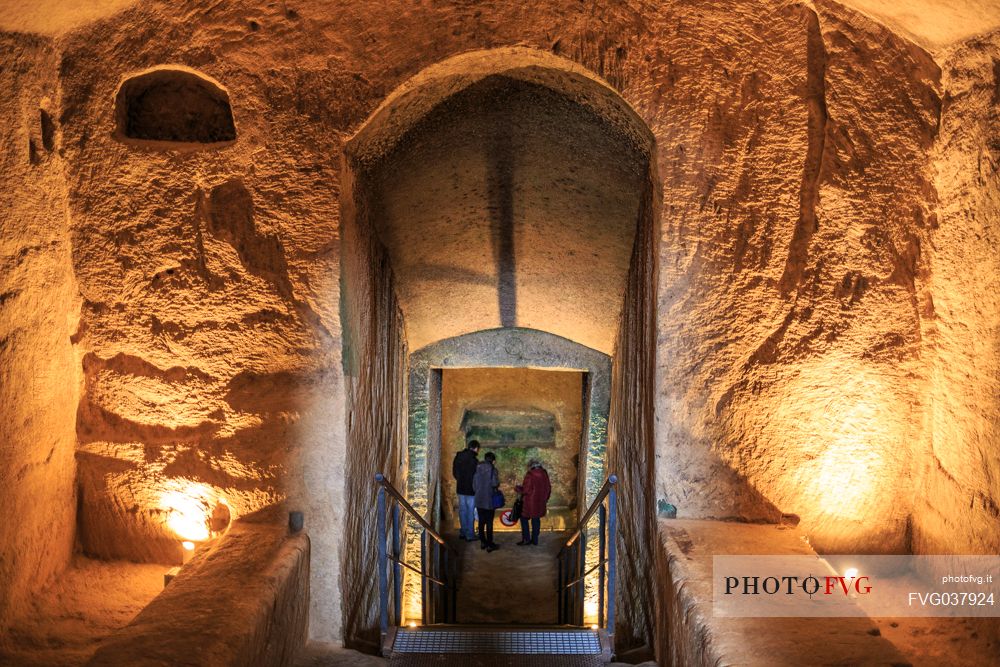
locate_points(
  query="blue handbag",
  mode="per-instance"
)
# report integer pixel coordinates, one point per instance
(498, 499)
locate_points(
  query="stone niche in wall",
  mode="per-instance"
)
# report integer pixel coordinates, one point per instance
(510, 427)
(176, 106)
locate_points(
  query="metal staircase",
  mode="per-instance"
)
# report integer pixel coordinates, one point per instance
(439, 641)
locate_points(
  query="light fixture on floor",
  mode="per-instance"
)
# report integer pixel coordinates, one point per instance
(187, 514)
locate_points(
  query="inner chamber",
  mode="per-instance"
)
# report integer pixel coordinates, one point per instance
(518, 414)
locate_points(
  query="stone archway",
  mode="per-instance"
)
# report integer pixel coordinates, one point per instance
(507, 188)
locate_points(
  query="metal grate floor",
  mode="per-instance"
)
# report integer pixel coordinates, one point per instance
(498, 642)
(466, 660)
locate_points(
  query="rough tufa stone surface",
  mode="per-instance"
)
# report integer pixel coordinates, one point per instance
(819, 333)
(691, 633)
(39, 309)
(795, 208)
(957, 503)
(243, 600)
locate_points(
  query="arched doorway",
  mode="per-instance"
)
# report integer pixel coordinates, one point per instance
(506, 190)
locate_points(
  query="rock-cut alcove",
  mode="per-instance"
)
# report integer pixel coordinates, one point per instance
(173, 105)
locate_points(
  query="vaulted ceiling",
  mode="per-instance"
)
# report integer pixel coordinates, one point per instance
(931, 23)
(509, 205)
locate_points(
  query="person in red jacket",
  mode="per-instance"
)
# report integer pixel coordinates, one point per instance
(535, 491)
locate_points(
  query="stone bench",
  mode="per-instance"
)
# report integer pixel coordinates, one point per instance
(688, 633)
(243, 600)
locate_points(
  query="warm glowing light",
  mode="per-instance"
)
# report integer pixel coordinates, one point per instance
(590, 611)
(851, 572)
(412, 624)
(412, 597)
(188, 545)
(189, 511)
(843, 437)
(593, 626)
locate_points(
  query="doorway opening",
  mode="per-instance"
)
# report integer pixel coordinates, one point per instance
(519, 415)
(499, 222)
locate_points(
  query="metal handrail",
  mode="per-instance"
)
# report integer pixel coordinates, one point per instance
(582, 524)
(435, 565)
(420, 572)
(572, 559)
(387, 485)
(587, 573)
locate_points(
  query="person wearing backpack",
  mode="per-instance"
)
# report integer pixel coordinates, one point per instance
(485, 482)
(535, 491)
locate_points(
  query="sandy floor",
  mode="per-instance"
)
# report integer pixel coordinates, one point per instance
(937, 642)
(67, 620)
(941, 642)
(321, 654)
(511, 586)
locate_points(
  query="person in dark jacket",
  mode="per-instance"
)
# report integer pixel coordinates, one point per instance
(535, 491)
(485, 483)
(464, 469)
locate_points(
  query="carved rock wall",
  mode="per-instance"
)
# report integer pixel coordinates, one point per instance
(957, 499)
(799, 243)
(39, 308)
(210, 325)
(375, 370)
(631, 444)
(797, 198)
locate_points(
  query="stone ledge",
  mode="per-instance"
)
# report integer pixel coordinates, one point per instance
(688, 633)
(242, 601)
